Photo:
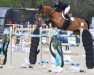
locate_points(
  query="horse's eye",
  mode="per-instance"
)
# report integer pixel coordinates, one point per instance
(39, 11)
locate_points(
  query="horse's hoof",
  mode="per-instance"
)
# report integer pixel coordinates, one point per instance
(38, 51)
(30, 66)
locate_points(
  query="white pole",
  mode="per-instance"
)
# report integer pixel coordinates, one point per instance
(40, 46)
(10, 45)
(50, 56)
(81, 52)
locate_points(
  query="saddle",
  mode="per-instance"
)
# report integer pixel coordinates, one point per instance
(68, 20)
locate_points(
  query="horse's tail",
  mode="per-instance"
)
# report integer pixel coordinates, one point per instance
(88, 23)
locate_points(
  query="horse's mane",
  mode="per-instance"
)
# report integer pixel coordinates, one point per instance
(49, 6)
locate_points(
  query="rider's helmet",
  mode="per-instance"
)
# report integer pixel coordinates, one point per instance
(56, 2)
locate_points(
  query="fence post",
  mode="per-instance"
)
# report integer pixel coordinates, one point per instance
(81, 46)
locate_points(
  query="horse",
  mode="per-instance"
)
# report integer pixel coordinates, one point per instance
(58, 21)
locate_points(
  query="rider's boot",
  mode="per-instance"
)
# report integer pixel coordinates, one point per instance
(68, 17)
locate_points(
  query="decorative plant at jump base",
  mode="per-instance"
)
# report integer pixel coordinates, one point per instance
(3, 47)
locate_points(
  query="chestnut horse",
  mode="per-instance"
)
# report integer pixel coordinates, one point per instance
(58, 20)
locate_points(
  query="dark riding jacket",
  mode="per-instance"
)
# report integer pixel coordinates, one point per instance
(61, 6)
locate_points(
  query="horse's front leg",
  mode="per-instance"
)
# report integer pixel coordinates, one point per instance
(47, 22)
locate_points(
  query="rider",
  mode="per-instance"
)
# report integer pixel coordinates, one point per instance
(59, 6)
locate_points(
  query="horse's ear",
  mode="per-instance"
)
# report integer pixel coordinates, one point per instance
(38, 6)
(41, 6)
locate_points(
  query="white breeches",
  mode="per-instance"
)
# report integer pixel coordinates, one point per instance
(67, 10)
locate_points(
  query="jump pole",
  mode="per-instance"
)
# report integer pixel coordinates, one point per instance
(81, 45)
(40, 46)
(10, 46)
(41, 30)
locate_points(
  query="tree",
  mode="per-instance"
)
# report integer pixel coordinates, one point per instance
(79, 8)
(82, 8)
(10, 3)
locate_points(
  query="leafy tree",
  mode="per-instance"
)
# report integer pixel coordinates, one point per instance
(82, 8)
(10, 3)
(79, 8)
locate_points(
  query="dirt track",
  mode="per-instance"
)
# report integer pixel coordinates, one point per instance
(18, 59)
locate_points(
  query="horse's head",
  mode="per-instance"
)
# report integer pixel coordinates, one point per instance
(42, 12)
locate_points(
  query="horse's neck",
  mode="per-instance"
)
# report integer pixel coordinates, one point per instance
(55, 16)
(50, 11)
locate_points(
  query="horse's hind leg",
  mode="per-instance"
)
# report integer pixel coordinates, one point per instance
(47, 22)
